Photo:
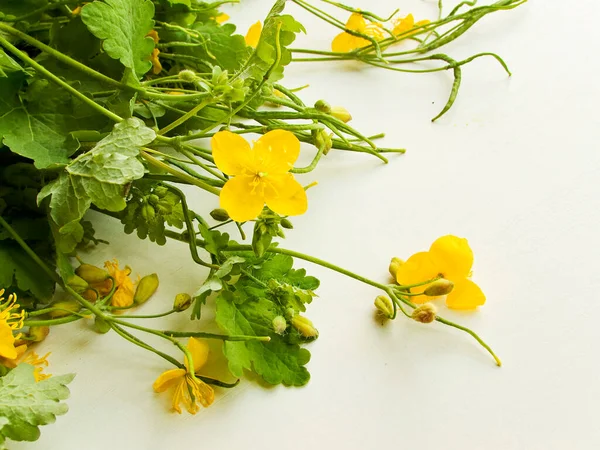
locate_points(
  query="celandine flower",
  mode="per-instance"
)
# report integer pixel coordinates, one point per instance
(346, 42)
(124, 292)
(253, 34)
(9, 322)
(449, 257)
(188, 389)
(259, 175)
(404, 24)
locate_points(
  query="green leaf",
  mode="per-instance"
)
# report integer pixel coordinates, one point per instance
(25, 404)
(8, 65)
(228, 266)
(221, 47)
(276, 361)
(279, 267)
(123, 25)
(215, 240)
(98, 176)
(19, 270)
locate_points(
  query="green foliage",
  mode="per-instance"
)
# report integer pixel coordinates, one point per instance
(123, 26)
(25, 404)
(98, 176)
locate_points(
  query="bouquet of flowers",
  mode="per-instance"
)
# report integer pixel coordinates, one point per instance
(123, 106)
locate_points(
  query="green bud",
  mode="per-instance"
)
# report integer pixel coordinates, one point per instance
(188, 75)
(77, 283)
(285, 223)
(161, 191)
(64, 309)
(38, 334)
(279, 324)
(323, 106)
(145, 289)
(384, 304)
(439, 287)
(148, 212)
(323, 140)
(219, 215)
(304, 326)
(92, 274)
(339, 112)
(101, 326)
(395, 264)
(424, 313)
(182, 302)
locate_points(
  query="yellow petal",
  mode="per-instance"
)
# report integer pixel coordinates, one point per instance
(201, 391)
(168, 379)
(345, 42)
(417, 269)
(253, 34)
(199, 351)
(221, 18)
(285, 196)
(452, 257)
(276, 152)
(404, 24)
(356, 22)
(230, 151)
(243, 198)
(465, 295)
(7, 341)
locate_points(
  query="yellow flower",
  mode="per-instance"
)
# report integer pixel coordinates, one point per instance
(189, 390)
(9, 321)
(259, 175)
(346, 42)
(253, 34)
(221, 18)
(124, 292)
(451, 258)
(156, 65)
(404, 24)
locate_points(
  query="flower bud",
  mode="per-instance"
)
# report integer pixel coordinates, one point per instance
(384, 305)
(304, 326)
(182, 302)
(323, 106)
(90, 295)
(188, 75)
(91, 274)
(339, 112)
(323, 140)
(395, 264)
(101, 326)
(38, 334)
(78, 284)
(64, 309)
(219, 215)
(279, 324)
(285, 223)
(439, 287)
(145, 289)
(424, 313)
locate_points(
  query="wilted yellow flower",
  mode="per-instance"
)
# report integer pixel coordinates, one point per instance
(9, 322)
(253, 34)
(346, 42)
(259, 175)
(156, 65)
(189, 390)
(124, 292)
(404, 24)
(449, 257)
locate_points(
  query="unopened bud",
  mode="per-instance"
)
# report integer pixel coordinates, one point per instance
(188, 75)
(285, 223)
(145, 289)
(78, 284)
(38, 334)
(439, 287)
(304, 326)
(279, 324)
(384, 305)
(101, 326)
(395, 264)
(323, 140)
(219, 215)
(63, 309)
(90, 295)
(424, 313)
(91, 274)
(323, 106)
(339, 112)
(182, 302)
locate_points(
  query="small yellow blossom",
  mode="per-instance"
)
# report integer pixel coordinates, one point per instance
(9, 321)
(189, 390)
(156, 65)
(346, 42)
(404, 24)
(449, 257)
(253, 34)
(221, 18)
(124, 292)
(259, 175)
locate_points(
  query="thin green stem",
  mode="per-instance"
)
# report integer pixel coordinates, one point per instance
(222, 337)
(147, 316)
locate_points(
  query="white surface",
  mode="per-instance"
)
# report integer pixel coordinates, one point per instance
(513, 167)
